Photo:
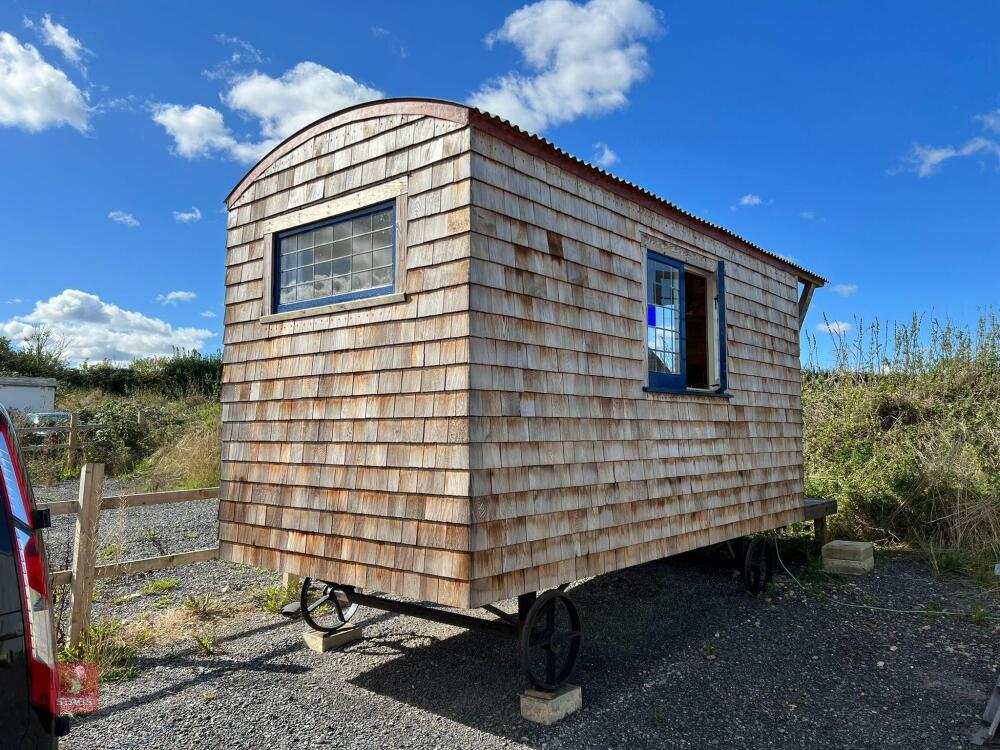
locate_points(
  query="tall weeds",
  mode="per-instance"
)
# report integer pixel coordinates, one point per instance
(904, 431)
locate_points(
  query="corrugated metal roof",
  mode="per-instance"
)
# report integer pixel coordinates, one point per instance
(816, 278)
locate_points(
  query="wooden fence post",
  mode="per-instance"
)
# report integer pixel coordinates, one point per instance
(73, 442)
(85, 550)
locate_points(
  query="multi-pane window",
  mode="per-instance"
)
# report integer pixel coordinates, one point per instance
(664, 322)
(685, 326)
(345, 258)
(664, 319)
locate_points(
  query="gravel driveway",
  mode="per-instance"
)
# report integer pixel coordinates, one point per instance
(676, 655)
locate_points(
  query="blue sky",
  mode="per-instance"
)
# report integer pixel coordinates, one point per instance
(860, 139)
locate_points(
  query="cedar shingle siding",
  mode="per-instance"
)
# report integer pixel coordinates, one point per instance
(488, 434)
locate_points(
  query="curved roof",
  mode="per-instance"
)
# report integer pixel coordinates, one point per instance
(534, 144)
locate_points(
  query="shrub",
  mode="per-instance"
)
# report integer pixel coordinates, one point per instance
(904, 431)
(184, 373)
(125, 431)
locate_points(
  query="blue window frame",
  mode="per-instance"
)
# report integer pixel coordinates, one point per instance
(667, 323)
(347, 257)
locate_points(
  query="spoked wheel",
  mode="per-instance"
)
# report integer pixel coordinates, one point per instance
(550, 640)
(758, 565)
(325, 606)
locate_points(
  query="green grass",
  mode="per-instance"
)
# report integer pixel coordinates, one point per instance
(206, 643)
(111, 646)
(203, 606)
(274, 598)
(159, 586)
(111, 552)
(904, 432)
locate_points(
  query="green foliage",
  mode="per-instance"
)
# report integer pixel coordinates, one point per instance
(192, 458)
(905, 433)
(206, 643)
(111, 646)
(978, 613)
(41, 355)
(124, 431)
(110, 553)
(274, 598)
(181, 375)
(159, 586)
(203, 606)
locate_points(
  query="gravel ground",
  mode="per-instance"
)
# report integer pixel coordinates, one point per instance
(147, 532)
(676, 655)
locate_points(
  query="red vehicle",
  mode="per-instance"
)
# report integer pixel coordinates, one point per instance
(29, 686)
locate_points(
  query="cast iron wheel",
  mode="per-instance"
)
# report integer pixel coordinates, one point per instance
(550, 640)
(325, 606)
(758, 565)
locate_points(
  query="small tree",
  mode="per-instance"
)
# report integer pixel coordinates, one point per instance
(45, 349)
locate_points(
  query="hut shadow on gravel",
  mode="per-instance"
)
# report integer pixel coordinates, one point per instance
(635, 620)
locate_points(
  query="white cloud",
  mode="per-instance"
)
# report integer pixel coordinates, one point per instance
(56, 35)
(244, 54)
(96, 330)
(604, 156)
(15, 301)
(172, 298)
(123, 217)
(583, 59)
(380, 32)
(34, 95)
(207, 314)
(808, 214)
(925, 160)
(302, 95)
(280, 106)
(844, 290)
(990, 121)
(200, 131)
(836, 327)
(188, 217)
(750, 200)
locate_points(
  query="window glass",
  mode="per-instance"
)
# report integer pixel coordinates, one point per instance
(664, 319)
(348, 257)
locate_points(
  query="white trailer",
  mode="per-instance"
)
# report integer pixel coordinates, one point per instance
(28, 394)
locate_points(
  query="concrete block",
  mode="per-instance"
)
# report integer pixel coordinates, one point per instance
(323, 642)
(544, 707)
(841, 550)
(849, 567)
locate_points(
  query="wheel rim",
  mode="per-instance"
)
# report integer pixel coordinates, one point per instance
(325, 607)
(550, 640)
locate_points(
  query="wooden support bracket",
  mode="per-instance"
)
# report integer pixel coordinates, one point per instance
(807, 294)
